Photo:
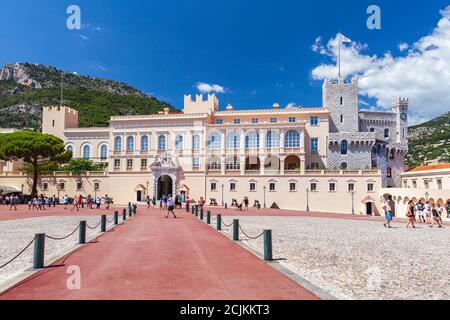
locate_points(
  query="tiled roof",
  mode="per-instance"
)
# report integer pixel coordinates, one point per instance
(431, 167)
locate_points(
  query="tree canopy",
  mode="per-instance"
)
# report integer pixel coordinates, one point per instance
(33, 148)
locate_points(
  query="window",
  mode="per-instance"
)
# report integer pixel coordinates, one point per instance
(232, 186)
(272, 139)
(292, 186)
(255, 120)
(342, 118)
(427, 184)
(252, 186)
(233, 163)
(103, 152)
(332, 187)
(130, 164)
(214, 141)
(252, 140)
(314, 121)
(179, 143)
(117, 144)
(414, 183)
(342, 101)
(272, 186)
(372, 129)
(370, 187)
(389, 173)
(45, 186)
(219, 121)
(79, 186)
(196, 162)
(314, 144)
(116, 163)
(386, 133)
(292, 119)
(86, 152)
(62, 186)
(143, 163)
(70, 148)
(314, 166)
(313, 186)
(162, 142)
(439, 184)
(96, 186)
(130, 144)
(233, 141)
(292, 139)
(196, 142)
(53, 123)
(144, 143)
(213, 186)
(351, 187)
(214, 163)
(237, 121)
(405, 183)
(273, 120)
(344, 147)
(344, 165)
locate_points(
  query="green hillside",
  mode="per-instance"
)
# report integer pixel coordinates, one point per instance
(26, 88)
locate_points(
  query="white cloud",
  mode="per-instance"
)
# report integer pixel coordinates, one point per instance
(423, 74)
(210, 88)
(403, 46)
(82, 36)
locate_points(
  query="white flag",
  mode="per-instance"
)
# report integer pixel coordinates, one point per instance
(344, 38)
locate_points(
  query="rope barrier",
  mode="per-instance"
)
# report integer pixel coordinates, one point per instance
(226, 225)
(251, 238)
(63, 238)
(109, 221)
(15, 257)
(93, 228)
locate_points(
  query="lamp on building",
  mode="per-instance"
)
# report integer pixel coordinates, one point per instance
(222, 186)
(265, 188)
(353, 202)
(307, 199)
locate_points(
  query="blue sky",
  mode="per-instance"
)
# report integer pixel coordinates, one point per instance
(259, 52)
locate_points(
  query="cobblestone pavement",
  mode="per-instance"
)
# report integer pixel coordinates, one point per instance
(16, 234)
(359, 259)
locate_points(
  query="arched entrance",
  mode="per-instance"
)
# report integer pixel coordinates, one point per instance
(369, 210)
(165, 186)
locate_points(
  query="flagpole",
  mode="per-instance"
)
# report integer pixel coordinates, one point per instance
(339, 59)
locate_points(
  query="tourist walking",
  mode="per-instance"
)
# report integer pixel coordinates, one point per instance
(427, 212)
(245, 203)
(410, 214)
(388, 217)
(420, 207)
(14, 201)
(65, 201)
(76, 201)
(164, 201)
(171, 207)
(107, 201)
(436, 218)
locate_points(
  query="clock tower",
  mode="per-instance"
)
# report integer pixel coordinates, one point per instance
(400, 107)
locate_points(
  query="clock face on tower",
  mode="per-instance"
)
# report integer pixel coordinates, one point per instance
(404, 116)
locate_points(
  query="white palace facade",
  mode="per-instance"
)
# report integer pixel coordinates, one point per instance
(331, 158)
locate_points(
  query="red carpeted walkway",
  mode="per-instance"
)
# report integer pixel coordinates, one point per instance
(150, 257)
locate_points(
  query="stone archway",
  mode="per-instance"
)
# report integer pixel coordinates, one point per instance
(165, 186)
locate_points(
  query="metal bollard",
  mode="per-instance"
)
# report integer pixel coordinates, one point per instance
(196, 211)
(124, 214)
(192, 209)
(130, 212)
(103, 224)
(134, 209)
(201, 214)
(39, 251)
(219, 222)
(187, 207)
(268, 245)
(116, 217)
(208, 217)
(236, 230)
(226, 206)
(82, 233)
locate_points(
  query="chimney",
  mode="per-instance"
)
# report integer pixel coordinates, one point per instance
(166, 110)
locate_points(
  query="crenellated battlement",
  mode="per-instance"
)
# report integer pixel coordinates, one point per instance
(199, 105)
(63, 109)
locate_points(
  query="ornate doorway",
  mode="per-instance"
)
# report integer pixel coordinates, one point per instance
(165, 186)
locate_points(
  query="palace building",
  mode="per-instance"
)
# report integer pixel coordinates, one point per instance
(291, 158)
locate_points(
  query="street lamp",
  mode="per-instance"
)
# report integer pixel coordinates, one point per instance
(353, 202)
(222, 194)
(264, 188)
(307, 199)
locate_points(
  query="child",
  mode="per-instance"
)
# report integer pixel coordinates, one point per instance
(388, 216)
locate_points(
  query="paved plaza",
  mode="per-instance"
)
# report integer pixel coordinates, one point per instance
(150, 257)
